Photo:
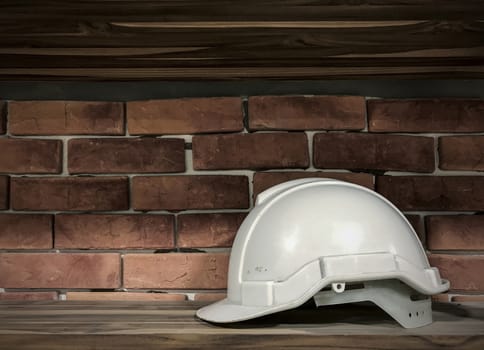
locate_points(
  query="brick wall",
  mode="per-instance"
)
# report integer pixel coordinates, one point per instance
(141, 200)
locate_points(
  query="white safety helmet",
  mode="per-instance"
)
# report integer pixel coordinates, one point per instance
(308, 234)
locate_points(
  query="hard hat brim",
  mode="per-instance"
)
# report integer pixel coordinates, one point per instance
(226, 311)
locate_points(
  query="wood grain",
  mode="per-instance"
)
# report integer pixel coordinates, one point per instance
(222, 39)
(155, 325)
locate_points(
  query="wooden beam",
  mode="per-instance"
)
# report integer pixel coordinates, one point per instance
(223, 39)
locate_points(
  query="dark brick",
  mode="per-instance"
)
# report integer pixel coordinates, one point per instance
(416, 223)
(190, 192)
(433, 192)
(24, 231)
(426, 115)
(461, 232)
(371, 151)
(306, 112)
(3, 117)
(185, 116)
(461, 153)
(208, 230)
(126, 155)
(107, 231)
(250, 151)
(69, 193)
(4, 186)
(65, 118)
(264, 180)
(20, 156)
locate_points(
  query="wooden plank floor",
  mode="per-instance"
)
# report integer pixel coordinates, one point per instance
(150, 325)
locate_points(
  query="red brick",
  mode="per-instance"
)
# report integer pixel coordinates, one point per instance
(463, 271)
(3, 117)
(250, 151)
(208, 230)
(126, 155)
(264, 180)
(30, 296)
(185, 116)
(65, 118)
(30, 156)
(53, 270)
(449, 232)
(69, 193)
(458, 193)
(23, 231)
(190, 192)
(440, 298)
(209, 296)
(461, 153)
(467, 298)
(426, 115)
(4, 186)
(371, 151)
(306, 112)
(176, 270)
(113, 231)
(122, 296)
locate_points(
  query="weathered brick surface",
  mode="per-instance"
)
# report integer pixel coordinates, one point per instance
(3, 117)
(126, 155)
(190, 192)
(212, 297)
(264, 180)
(185, 116)
(208, 230)
(30, 296)
(73, 231)
(69, 193)
(250, 151)
(54, 270)
(461, 232)
(459, 193)
(176, 270)
(25, 231)
(124, 296)
(4, 186)
(426, 115)
(463, 271)
(65, 118)
(461, 153)
(90, 210)
(372, 151)
(19, 156)
(306, 112)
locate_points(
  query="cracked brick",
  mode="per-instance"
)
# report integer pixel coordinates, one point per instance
(176, 270)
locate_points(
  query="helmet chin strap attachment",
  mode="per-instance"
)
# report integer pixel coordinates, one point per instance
(338, 287)
(405, 305)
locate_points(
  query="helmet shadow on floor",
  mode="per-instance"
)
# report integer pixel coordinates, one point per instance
(364, 313)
